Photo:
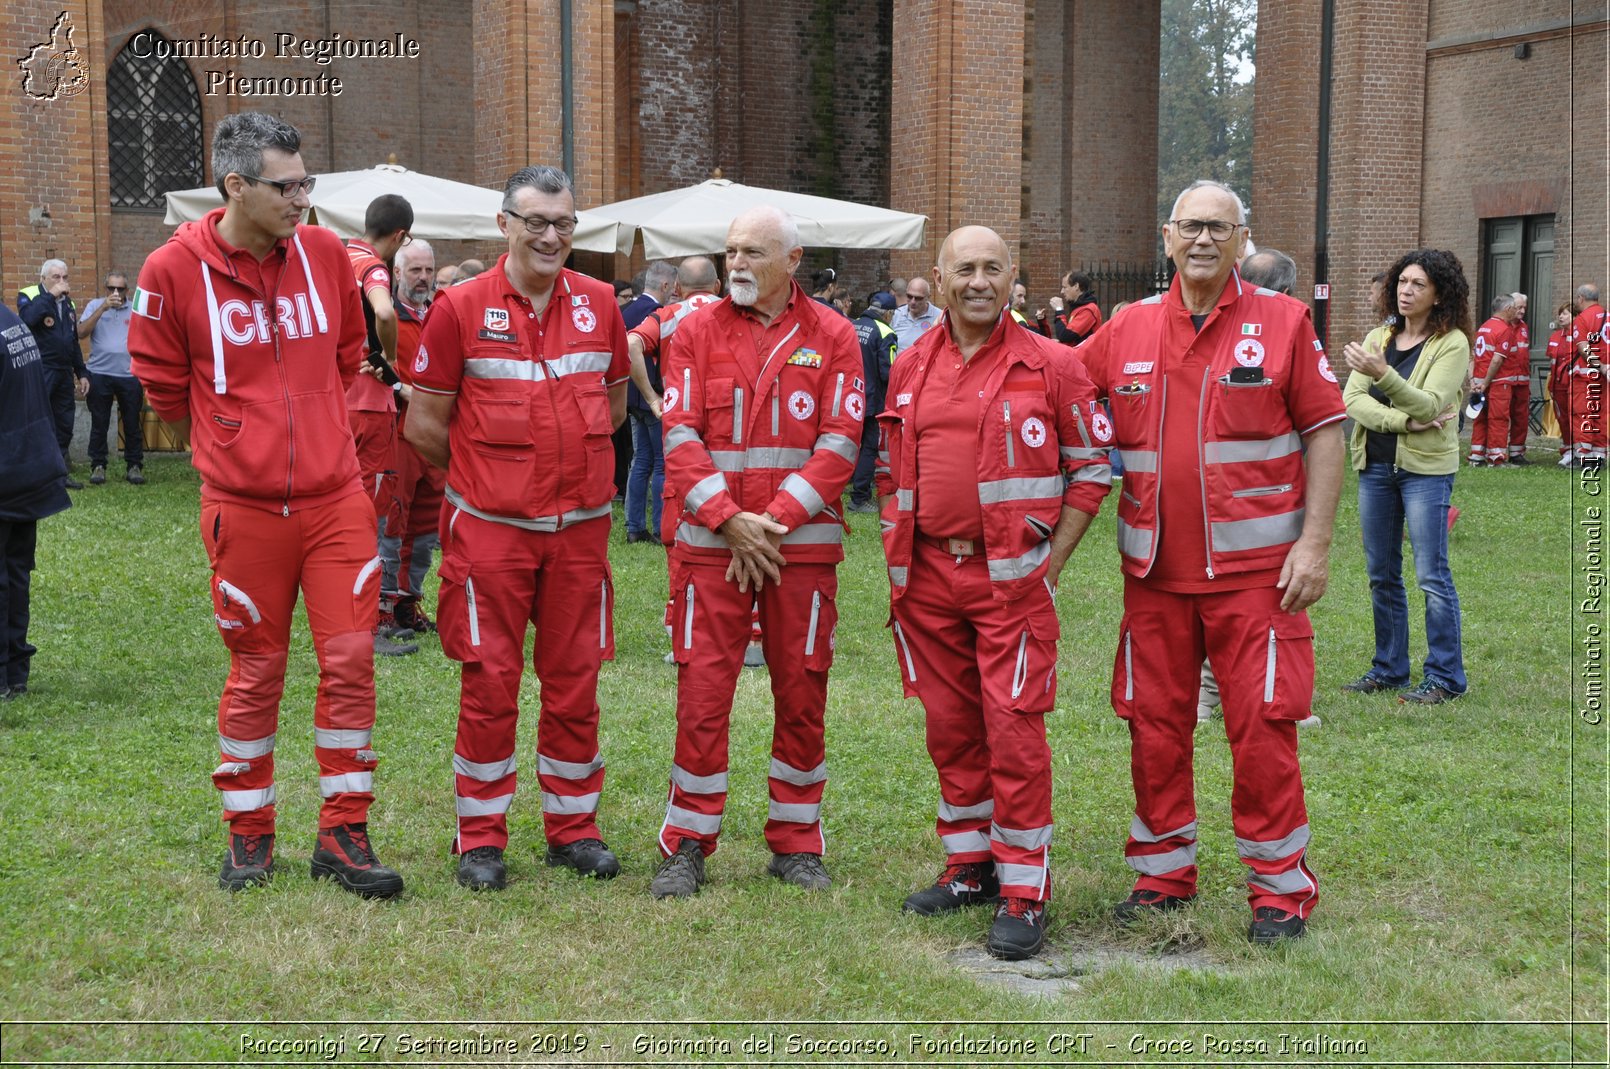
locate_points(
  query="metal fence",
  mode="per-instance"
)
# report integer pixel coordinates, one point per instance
(1118, 282)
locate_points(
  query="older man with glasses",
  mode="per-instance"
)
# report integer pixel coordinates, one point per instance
(106, 325)
(912, 319)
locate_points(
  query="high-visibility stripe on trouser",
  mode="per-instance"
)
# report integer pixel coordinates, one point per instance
(992, 757)
(712, 627)
(559, 580)
(1170, 635)
(260, 561)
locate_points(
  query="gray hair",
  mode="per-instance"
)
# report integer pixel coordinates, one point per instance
(540, 177)
(1208, 183)
(697, 273)
(659, 275)
(239, 140)
(1271, 269)
(1503, 302)
(44, 268)
(1588, 291)
(416, 247)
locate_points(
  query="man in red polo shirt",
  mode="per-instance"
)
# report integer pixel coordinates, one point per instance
(1227, 416)
(249, 330)
(994, 462)
(762, 412)
(519, 381)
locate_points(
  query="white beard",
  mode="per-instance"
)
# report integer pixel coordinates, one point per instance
(744, 293)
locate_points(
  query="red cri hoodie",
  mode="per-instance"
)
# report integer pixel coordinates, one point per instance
(258, 356)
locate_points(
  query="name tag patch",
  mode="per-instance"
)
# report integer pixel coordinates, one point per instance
(494, 335)
(1138, 367)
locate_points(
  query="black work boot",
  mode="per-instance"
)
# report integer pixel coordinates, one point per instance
(249, 862)
(589, 857)
(1019, 929)
(482, 869)
(343, 854)
(959, 885)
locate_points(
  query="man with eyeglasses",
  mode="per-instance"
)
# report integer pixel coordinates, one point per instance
(371, 399)
(913, 318)
(48, 310)
(249, 331)
(1227, 416)
(106, 325)
(519, 381)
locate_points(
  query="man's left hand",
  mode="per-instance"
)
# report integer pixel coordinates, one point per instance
(81, 388)
(1304, 575)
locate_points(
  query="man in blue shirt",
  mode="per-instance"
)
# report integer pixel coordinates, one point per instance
(106, 325)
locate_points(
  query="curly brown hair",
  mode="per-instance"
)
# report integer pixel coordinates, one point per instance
(1451, 309)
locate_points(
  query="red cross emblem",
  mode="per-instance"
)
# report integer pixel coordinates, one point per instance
(1033, 432)
(1249, 353)
(801, 405)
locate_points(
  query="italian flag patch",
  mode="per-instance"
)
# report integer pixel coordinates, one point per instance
(146, 303)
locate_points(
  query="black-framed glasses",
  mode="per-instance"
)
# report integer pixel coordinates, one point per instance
(407, 240)
(117, 289)
(1191, 229)
(288, 189)
(536, 225)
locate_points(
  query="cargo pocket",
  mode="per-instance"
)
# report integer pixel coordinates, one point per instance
(902, 654)
(821, 627)
(457, 619)
(1034, 670)
(1123, 679)
(1288, 676)
(684, 600)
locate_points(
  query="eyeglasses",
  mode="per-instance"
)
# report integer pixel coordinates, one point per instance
(117, 289)
(407, 239)
(537, 225)
(288, 189)
(916, 296)
(1191, 229)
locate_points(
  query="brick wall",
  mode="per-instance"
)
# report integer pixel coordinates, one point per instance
(1285, 130)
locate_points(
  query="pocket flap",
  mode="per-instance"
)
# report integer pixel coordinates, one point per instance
(454, 569)
(1291, 625)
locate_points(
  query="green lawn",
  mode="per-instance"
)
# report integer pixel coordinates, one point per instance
(1461, 849)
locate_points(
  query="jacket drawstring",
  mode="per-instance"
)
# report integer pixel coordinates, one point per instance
(312, 288)
(219, 383)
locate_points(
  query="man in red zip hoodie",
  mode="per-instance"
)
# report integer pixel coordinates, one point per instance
(249, 332)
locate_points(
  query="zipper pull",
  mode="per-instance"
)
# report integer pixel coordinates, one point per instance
(285, 510)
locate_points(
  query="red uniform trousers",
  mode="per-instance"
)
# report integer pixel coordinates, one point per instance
(1560, 392)
(986, 673)
(259, 560)
(497, 580)
(1588, 413)
(1264, 660)
(710, 628)
(1520, 415)
(375, 436)
(413, 513)
(1489, 432)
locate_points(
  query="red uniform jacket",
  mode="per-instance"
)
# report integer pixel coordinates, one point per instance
(262, 377)
(1494, 339)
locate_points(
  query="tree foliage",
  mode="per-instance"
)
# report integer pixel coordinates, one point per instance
(1204, 105)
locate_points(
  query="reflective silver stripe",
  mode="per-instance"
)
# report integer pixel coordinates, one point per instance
(578, 362)
(1020, 671)
(687, 618)
(1269, 665)
(687, 781)
(1260, 533)
(1021, 875)
(687, 389)
(810, 629)
(1158, 864)
(1023, 838)
(951, 813)
(883, 458)
(1020, 567)
(346, 783)
(681, 434)
(1142, 834)
(845, 447)
(800, 489)
(703, 490)
(965, 842)
(1248, 452)
(1138, 459)
(776, 457)
(700, 538)
(1006, 412)
(603, 614)
(234, 593)
(547, 766)
(546, 524)
(569, 804)
(737, 415)
(897, 577)
(797, 776)
(1292, 881)
(776, 414)
(484, 771)
(900, 634)
(341, 738)
(1074, 452)
(471, 612)
(1133, 541)
(728, 459)
(838, 395)
(815, 534)
(491, 368)
(481, 807)
(246, 749)
(794, 813)
(993, 493)
(246, 801)
(363, 575)
(904, 500)
(1093, 473)
(1273, 849)
(699, 823)
(1129, 670)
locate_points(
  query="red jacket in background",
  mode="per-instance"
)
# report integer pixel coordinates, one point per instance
(262, 377)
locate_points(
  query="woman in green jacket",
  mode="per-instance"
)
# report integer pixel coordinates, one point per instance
(1402, 395)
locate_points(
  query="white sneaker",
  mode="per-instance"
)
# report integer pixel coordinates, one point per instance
(1311, 722)
(1565, 460)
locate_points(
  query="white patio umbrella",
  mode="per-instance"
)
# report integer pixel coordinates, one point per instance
(444, 210)
(694, 219)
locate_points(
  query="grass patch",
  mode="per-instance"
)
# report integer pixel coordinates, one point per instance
(1462, 879)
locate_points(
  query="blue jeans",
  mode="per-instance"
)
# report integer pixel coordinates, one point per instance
(647, 474)
(1388, 496)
